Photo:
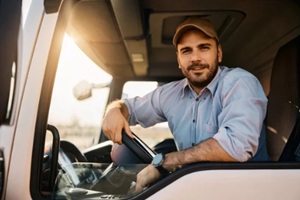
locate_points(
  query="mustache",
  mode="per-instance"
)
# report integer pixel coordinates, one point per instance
(197, 65)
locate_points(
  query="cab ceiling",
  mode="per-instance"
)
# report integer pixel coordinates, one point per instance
(132, 38)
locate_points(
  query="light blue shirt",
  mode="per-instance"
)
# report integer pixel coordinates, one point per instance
(231, 109)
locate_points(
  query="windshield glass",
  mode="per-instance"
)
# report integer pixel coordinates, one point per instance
(88, 180)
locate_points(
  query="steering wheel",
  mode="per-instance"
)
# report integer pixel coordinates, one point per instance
(109, 180)
(72, 152)
(138, 147)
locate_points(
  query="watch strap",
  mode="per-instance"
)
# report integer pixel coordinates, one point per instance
(162, 170)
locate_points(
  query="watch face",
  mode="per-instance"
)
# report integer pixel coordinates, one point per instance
(158, 159)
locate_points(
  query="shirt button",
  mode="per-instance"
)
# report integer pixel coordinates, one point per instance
(194, 121)
(197, 99)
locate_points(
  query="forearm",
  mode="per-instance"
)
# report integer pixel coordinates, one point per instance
(209, 150)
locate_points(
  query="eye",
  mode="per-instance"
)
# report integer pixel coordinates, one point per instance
(204, 47)
(185, 51)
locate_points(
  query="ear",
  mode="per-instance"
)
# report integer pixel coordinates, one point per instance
(178, 61)
(220, 53)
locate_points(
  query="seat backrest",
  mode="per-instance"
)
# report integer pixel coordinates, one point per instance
(283, 105)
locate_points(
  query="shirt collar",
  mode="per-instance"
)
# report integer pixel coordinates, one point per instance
(212, 86)
(185, 87)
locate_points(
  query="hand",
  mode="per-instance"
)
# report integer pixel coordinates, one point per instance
(113, 123)
(148, 175)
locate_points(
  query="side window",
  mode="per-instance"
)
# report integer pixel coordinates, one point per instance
(79, 96)
(151, 135)
(9, 32)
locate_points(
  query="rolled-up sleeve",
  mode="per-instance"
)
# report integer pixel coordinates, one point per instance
(241, 119)
(145, 110)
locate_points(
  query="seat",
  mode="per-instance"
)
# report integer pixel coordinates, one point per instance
(283, 105)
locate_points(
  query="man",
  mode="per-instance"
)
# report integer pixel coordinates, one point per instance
(215, 114)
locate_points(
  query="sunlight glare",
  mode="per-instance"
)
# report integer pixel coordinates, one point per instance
(73, 67)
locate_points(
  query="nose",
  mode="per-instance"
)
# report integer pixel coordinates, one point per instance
(196, 56)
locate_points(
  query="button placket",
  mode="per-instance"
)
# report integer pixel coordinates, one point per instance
(197, 101)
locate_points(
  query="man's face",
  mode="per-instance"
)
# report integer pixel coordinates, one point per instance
(198, 57)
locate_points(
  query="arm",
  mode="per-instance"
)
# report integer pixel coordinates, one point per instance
(118, 115)
(115, 119)
(209, 150)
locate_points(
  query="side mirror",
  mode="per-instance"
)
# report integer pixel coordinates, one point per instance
(83, 89)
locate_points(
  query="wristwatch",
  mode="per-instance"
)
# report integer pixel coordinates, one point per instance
(157, 163)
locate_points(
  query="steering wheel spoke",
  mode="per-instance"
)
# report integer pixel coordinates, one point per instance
(138, 147)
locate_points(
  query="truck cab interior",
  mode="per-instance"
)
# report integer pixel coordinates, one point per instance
(132, 41)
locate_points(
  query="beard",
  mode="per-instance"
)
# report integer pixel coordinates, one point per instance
(200, 80)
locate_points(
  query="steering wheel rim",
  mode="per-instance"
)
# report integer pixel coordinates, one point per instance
(71, 150)
(138, 147)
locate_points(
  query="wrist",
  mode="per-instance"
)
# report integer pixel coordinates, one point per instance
(118, 106)
(174, 161)
(157, 162)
